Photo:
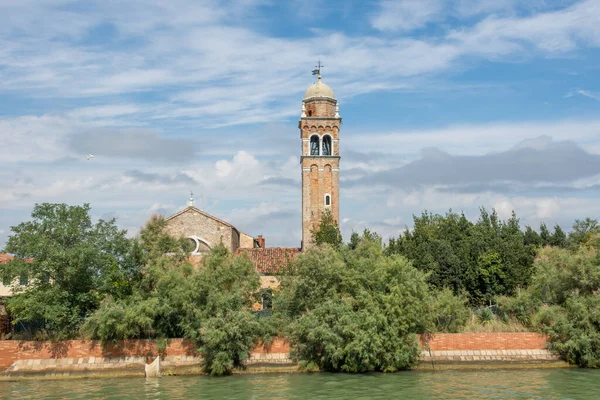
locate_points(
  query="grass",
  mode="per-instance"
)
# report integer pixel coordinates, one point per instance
(493, 324)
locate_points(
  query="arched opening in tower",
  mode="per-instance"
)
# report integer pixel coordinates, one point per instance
(314, 145)
(326, 145)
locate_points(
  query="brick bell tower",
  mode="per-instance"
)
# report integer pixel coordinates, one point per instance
(319, 130)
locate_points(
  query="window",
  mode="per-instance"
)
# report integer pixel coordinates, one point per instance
(310, 113)
(327, 200)
(23, 280)
(314, 145)
(327, 145)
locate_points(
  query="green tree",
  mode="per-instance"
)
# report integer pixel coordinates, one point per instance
(559, 237)
(210, 304)
(532, 238)
(563, 301)
(354, 240)
(355, 310)
(545, 235)
(328, 231)
(583, 229)
(487, 258)
(72, 265)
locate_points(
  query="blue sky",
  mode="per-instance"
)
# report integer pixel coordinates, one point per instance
(445, 104)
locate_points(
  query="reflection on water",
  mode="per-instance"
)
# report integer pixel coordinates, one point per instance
(489, 384)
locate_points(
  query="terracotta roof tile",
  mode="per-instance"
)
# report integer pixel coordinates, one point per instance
(4, 258)
(270, 260)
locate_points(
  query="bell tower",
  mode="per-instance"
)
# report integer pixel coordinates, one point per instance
(319, 130)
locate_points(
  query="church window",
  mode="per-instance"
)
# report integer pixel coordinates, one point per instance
(314, 145)
(327, 145)
(310, 113)
(327, 200)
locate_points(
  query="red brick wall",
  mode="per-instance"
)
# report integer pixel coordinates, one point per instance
(485, 341)
(12, 350)
(278, 345)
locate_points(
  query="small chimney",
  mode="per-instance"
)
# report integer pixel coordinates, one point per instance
(261, 241)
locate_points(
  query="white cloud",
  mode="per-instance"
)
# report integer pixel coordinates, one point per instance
(213, 66)
(406, 15)
(473, 139)
(584, 93)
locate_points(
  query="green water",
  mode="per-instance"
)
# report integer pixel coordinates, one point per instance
(498, 384)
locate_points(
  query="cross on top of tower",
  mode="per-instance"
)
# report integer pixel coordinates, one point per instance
(191, 203)
(317, 70)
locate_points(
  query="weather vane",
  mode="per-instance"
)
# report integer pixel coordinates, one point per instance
(318, 67)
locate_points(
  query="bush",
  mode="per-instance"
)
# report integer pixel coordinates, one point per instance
(450, 312)
(355, 310)
(563, 301)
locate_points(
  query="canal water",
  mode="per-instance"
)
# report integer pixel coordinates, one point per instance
(490, 384)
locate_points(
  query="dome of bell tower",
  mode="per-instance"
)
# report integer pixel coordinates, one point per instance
(318, 89)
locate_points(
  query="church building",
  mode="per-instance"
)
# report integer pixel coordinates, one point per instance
(319, 126)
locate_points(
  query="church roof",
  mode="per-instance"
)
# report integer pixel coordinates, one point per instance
(192, 208)
(4, 258)
(270, 260)
(318, 89)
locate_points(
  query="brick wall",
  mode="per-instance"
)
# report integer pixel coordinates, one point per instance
(13, 350)
(485, 341)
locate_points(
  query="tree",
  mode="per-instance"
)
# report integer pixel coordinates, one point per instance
(354, 310)
(582, 230)
(558, 238)
(328, 231)
(545, 234)
(210, 304)
(563, 302)
(484, 259)
(532, 238)
(354, 240)
(73, 264)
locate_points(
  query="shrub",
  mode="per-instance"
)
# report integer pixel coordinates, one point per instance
(450, 312)
(356, 310)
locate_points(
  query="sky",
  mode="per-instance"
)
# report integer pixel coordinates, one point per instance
(446, 104)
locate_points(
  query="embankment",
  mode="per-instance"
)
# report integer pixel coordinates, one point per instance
(83, 358)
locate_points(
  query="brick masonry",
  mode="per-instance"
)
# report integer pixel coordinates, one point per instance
(472, 349)
(484, 341)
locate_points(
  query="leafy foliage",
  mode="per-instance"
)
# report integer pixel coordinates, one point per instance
(72, 265)
(210, 304)
(355, 310)
(328, 231)
(484, 259)
(563, 301)
(583, 230)
(450, 312)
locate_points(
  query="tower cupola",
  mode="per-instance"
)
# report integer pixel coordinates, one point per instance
(318, 89)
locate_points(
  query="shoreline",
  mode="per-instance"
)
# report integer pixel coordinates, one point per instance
(77, 359)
